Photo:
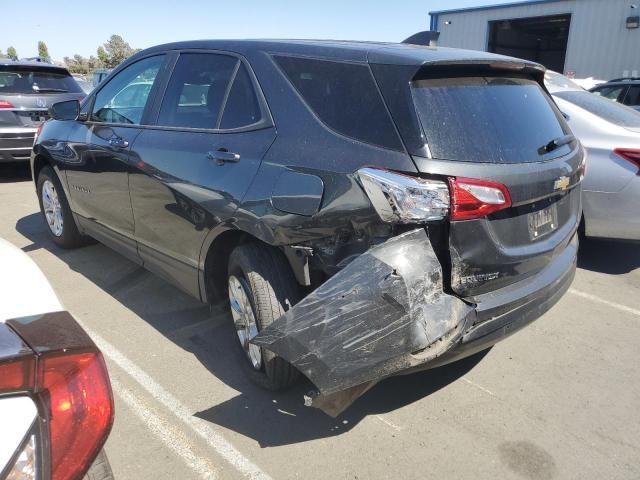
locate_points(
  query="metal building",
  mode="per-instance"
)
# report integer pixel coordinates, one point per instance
(585, 38)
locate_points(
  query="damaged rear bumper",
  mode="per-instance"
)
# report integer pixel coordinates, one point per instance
(386, 313)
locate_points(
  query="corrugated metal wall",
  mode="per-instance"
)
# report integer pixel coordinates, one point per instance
(599, 45)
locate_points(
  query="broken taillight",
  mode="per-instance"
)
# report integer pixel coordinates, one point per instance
(631, 155)
(400, 198)
(75, 391)
(473, 198)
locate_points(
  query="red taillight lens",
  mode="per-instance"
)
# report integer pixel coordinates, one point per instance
(81, 410)
(473, 198)
(5, 104)
(17, 375)
(631, 155)
(38, 131)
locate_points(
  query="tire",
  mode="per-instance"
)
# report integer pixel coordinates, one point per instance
(64, 234)
(271, 289)
(101, 469)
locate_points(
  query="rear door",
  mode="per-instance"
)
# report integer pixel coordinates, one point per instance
(98, 172)
(193, 167)
(494, 128)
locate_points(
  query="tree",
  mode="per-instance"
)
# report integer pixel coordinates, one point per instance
(82, 65)
(1, 54)
(11, 53)
(43, 51)
(115, 51)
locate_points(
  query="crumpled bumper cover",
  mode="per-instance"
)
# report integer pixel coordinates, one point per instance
(384, 313)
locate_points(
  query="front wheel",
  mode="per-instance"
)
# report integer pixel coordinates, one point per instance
(261, 289)
(56, 211)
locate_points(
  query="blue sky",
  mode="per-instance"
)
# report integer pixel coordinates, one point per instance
(71, 26)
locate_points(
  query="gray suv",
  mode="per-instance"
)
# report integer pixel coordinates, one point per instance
(27, 90)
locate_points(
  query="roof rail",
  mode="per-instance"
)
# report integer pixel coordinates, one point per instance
(625, 79)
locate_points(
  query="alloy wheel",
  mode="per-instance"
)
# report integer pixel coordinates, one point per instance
(244, 320)
(52, 208)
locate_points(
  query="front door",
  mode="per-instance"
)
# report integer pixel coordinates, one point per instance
(98, 172)
(194, 166)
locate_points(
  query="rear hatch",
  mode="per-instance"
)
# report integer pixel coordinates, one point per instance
(27, 92)
(491, 124)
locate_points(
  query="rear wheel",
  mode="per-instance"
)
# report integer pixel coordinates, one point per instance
(56, 211)
(261, 289)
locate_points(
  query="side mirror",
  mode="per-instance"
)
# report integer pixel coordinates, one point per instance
(68, 110)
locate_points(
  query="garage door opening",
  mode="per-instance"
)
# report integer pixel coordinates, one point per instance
(540, 39)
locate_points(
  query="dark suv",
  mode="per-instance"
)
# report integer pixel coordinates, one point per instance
(366, 209)
(27, 90)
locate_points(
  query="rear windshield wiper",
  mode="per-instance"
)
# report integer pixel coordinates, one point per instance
(556, 143)
(51, 90)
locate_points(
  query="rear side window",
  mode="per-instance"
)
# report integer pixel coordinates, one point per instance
(610, 111)
(612, 93)
(344, 97)
(487, 119)
(32, 81)
(242, 107)
(197, 90)
(633, 96)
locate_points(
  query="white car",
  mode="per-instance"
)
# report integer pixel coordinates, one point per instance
(56, 404)
(610, 132)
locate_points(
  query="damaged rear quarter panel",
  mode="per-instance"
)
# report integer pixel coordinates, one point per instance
(366, 322)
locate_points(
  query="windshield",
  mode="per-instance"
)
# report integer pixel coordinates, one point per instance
(488, 119)
(30, 80)
(555, 81)
(609, 110)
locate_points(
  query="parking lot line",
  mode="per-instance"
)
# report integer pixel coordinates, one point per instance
(169, 436)
(597, 299)
(213, 438)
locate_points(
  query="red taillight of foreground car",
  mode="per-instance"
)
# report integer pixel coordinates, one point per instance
(473, 198)
(38, 131)
(5, 104)
(76, 393)
(80, 410)
(631, 155)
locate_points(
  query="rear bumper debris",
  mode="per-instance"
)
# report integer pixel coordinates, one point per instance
(385, 314)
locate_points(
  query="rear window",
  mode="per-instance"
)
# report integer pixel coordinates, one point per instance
(604, 108)
(344, 97)
(27, 80)
(487, 119)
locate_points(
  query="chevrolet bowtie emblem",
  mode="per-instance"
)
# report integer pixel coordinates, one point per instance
(561, 184)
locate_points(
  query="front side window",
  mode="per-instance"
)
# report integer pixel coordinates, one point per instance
(345, 98)
(197, 90)
(124, 98)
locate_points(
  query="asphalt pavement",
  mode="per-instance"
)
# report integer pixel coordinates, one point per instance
(559, 399)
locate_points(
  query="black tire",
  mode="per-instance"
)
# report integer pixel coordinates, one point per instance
(70, 236)
(101, 469)
(273, 290)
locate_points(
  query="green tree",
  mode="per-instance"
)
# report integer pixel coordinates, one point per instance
(43, 51)
(1, 54)
(116, 50)
(102, 55)
(12, 53)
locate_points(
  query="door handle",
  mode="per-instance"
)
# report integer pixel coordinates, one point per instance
(118, 142)
(222, 156)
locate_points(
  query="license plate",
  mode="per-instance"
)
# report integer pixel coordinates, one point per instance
(543, 222)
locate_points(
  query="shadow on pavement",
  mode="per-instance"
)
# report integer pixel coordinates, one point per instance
(15, 172)
(608, 256)
(271, 418)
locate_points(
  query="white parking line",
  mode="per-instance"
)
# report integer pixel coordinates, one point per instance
(593, 298)
(171, 437)
(204, 430)
(479, 387)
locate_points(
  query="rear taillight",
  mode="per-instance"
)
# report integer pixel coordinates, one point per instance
(400, 198)
(5, 104)
(473, 198)
(631, 155)
(38, 131)
(76, 393)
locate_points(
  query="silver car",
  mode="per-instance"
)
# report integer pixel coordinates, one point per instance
(611, 134)
(27, 90)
